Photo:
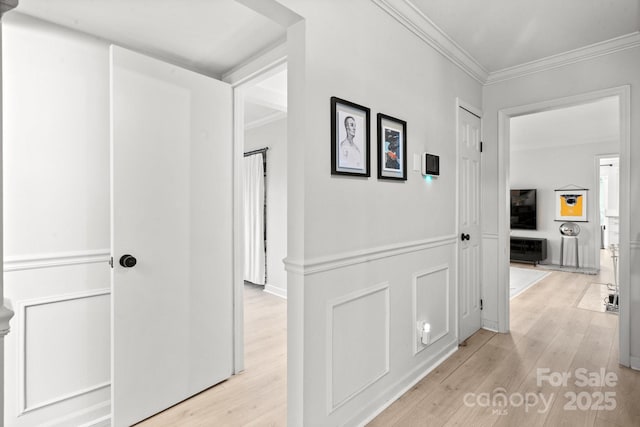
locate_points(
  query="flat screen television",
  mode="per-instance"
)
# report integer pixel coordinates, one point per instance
(523, 210)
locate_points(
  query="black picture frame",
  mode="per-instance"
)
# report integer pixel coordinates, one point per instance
(392, 148)
(350, 138)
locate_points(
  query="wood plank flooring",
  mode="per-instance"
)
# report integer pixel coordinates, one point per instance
(548, 330)
(258, 395)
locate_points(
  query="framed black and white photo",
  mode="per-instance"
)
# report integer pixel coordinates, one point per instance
(350, 144)
(392, 148)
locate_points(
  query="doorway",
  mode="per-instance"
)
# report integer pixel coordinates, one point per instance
(619, 97)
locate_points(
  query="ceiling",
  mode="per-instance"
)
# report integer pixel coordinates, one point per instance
(209, 36)
(215, 36)
(581, 124)
(500, 34)
(496, 33)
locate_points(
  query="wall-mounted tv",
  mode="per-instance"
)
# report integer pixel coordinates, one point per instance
(523, 210)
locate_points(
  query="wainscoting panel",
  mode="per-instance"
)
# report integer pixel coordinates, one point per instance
(53, 369)
(358, 342)
(57, 356)
(366, 305)
(431, 290)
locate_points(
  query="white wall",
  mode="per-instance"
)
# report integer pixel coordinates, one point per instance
(274, 136)
(548, 169)
(56, 228)
(603, 72)
(365, 254)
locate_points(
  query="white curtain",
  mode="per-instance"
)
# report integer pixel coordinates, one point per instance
(254, 251)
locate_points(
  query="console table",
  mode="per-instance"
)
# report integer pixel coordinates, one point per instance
(528, 249)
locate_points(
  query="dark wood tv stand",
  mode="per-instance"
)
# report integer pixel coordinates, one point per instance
(528, 249)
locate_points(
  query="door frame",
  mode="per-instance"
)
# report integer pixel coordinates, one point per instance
(460, 103)
(241, 79)
(623, 93)
(596, 184)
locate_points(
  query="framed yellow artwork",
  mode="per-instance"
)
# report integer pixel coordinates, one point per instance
(571, 205)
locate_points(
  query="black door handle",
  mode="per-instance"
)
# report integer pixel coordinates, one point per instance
(464, 237)
(128, 261)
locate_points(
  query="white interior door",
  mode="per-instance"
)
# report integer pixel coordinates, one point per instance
(171, 207)
(469, 222)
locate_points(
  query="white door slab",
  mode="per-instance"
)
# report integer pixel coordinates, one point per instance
(171, 172)
(469, 222)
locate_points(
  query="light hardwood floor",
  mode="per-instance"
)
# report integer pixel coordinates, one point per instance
(258, 395)
(547, 331)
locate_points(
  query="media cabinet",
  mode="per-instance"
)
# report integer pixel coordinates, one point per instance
(528, 249)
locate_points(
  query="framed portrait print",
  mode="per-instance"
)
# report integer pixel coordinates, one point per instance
(392, 148)
(571, 205)
(350, 139)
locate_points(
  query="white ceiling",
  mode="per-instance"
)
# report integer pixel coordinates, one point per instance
(504, 33)
(214, 36)
(266, 101)
(209, 36)
(581, 124)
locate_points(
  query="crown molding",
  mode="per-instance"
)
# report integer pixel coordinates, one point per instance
(7, 5)
(274, 117)
(407, 14)
(595, 50)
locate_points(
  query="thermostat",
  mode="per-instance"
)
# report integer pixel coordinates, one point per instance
(430, 164)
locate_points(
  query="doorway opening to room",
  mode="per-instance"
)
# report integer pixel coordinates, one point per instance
(560, 269)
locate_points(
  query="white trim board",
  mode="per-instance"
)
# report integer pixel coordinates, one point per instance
(56, 259)
(346, 259)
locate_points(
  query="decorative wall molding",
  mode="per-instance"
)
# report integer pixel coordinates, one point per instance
(330, 312)
(585, 53)
(410, 16)
(86, 413)
(5, 317)
(418, 346)
(407, 14)
(257, 66)
(24, 408)
(346, 259)
(56, 259)
(274, 117)
(279, 292)
(634, 244)
(490, 236)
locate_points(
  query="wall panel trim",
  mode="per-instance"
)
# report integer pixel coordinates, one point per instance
(419, 347)
(55, 259)
(22, 350)
(331, 305)
(346, 259)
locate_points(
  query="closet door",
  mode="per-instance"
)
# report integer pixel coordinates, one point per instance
(171, 172)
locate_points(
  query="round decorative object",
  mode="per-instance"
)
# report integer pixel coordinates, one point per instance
(569, 229)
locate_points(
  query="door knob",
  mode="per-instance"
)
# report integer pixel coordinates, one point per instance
(464, 237)
(128, 261)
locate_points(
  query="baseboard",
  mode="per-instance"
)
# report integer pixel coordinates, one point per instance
(634, 363)
(490, 325)
(279, 292)
(98, 415)
(408, 381)
(99, 422)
